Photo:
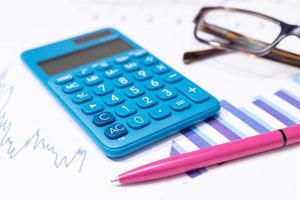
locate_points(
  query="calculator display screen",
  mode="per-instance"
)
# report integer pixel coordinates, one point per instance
(87, 55)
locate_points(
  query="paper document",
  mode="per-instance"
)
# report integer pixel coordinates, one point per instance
(44, 154)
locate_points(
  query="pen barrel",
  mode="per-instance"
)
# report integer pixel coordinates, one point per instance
(204, 158)
(292, 134)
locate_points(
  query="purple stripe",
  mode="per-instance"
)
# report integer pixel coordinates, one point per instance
(244, 117)
(288, 98)
(196, 172)
(216, 124)
(193, 173)
(195, 138)
(272, 111)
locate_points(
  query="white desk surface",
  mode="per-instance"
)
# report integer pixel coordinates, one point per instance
(164, 28)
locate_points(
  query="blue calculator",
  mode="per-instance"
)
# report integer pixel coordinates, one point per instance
(123, 97)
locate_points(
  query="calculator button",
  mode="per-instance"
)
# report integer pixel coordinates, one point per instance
(192, 91)
(160, 68)
(159, 112)
(84, 72)
(103, 119)
(103, 89)
(114, 99)
(142, 75)
(72, 87)
(126, 110)
(180, 104)
(138, 121)
(138, 53)
(92, 108)
(134, 91)
(64, 79)
(122, 82)
(92, 80)
(112, 73)
(131, 66)
(149, 60)
(172, 77)
(81, 97)
(146, 101)
(122, 59)
(166, 94)
(101, 65)
(115, 131)
(153, 84)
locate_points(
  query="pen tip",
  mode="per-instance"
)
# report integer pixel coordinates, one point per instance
(115, 180)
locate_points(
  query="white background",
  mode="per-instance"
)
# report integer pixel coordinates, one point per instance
(165, 29)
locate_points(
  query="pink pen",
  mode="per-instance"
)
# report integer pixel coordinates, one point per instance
(211, 156)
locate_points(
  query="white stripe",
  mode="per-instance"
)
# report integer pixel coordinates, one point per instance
(294, 90)
(240, 125)
(273, 122)
(185, 143)
(213, 134)
(285, 106)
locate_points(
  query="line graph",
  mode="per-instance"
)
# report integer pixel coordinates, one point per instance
(35, 141)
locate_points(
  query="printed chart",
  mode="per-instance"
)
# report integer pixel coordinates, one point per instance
(264, 113)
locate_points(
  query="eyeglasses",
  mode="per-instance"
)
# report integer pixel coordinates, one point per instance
(230, 30)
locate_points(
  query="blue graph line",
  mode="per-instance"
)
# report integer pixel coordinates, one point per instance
(36, 141)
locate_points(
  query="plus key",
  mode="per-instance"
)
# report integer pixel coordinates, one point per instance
(192, 91)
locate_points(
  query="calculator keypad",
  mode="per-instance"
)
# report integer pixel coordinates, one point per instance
(129, 93)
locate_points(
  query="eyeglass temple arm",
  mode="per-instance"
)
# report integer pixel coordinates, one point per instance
(193, 56)
(274, 54)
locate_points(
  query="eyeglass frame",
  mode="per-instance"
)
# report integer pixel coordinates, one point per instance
(269, 51)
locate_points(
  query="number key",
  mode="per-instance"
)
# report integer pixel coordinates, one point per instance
(138, 121)
(153, 84)
(134, 91)
(146, 101)
(122, 82)
(114, 99)
(166, 94)
(142, 75)
(126, 110)
(103, 89)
